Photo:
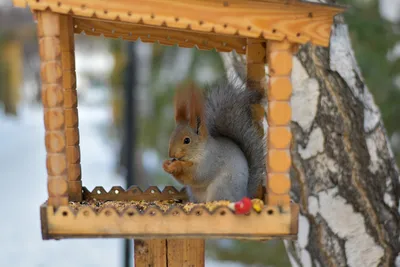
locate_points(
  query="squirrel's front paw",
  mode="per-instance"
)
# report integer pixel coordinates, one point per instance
(171, 167)
(166, 165)
(176, 167)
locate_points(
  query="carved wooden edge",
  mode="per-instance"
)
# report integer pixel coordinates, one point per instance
(298, 21)
(164, 36)
(53, 226)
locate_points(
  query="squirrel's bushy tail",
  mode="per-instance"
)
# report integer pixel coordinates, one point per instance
(228, 114)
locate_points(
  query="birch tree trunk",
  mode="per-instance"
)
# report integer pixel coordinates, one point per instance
(344, 174)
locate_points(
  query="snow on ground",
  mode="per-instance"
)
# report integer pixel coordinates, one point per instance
(23, 190)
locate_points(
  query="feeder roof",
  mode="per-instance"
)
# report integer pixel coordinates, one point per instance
(298, 21)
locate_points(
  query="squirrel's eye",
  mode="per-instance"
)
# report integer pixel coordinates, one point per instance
(186, 140)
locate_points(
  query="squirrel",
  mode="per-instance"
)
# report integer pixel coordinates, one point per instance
(216, 150)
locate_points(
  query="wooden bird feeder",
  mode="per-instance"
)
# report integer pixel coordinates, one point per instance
(266, 31)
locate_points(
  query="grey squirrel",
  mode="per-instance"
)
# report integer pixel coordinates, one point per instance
(215, 149)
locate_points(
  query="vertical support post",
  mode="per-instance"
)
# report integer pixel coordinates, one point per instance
(70, 108)
(185, 252)
(53, 100)
(256, 59)
(151, 252)
(279, 57)
(170, 252)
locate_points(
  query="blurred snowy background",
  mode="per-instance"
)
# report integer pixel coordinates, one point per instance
(100, 64)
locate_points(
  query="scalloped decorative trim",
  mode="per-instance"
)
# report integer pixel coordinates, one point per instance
(134, 193)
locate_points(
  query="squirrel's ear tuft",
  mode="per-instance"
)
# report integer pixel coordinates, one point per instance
(189, 107)
(182, 104)
(196, 116)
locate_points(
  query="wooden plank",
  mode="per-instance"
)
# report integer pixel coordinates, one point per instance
(271, 222)
(186, 252)
(275, 20)
(70, 108)
(165, 36)
(53, 99)
(151, 253)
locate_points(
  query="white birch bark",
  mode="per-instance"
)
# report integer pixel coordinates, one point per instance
(344, 175)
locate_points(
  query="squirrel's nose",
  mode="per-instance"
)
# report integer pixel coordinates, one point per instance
(175, 153)
(171, 153)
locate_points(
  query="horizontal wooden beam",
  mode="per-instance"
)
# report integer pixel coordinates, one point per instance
(165, 36)
(270, 223)
(297, 21)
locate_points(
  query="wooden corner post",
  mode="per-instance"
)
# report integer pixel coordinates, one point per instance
(279, 59)
(70, 108)
(53, 100)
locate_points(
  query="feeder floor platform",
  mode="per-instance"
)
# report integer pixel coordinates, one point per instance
(151, 214)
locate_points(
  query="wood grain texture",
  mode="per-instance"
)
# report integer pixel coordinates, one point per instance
(279, 58)
(164, 36)
(185, 252)
(70, 108)
(151, 253)
(53, 100)
(271, 223)
(273, 19)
